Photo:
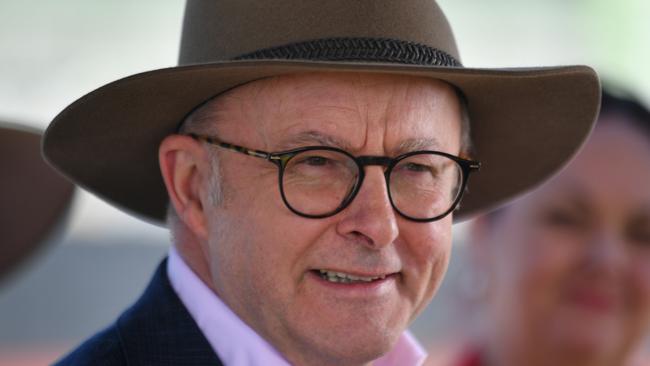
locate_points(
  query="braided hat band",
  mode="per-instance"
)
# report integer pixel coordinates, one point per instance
(357, 49)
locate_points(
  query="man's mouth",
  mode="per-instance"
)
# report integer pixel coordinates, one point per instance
(341, 277)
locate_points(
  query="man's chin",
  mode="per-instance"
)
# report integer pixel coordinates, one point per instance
(352, 345)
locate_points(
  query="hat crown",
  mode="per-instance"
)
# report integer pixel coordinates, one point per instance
(220, 30)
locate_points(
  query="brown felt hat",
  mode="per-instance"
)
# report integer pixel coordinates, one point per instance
(33, 197)
(526, 123)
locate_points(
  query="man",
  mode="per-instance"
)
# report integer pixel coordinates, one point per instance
(309, 158)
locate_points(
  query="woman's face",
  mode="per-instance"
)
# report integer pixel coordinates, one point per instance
(570, 263)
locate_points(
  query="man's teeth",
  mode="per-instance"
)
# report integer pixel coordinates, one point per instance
(340, 277)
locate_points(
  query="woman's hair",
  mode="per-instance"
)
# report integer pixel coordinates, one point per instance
(622, 103)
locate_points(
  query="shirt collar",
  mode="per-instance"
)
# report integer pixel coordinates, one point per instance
(235, 342)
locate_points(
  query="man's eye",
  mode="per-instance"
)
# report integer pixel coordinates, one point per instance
(413, 167)
(315, 160)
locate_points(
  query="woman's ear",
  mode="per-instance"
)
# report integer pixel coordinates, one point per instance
(184, 165)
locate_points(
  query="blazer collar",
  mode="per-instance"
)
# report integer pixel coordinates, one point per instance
(158, 330)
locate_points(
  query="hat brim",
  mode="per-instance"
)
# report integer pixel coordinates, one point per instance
(526, 124)
(34, 197)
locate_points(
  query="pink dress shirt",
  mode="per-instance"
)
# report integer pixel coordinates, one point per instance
(236, 343)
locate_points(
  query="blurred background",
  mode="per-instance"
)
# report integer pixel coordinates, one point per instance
(52, 52)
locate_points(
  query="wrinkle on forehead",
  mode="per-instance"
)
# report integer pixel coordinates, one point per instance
(363, 110)
(317, 138)
(439, 102)
(415, 144)
(312, 137)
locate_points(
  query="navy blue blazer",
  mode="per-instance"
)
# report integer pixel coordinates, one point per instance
(156, 330)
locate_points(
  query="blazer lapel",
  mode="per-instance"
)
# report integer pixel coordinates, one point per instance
(158, 330)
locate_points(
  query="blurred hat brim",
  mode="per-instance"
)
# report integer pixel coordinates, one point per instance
(35, 198)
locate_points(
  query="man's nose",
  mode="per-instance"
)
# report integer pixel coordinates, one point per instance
(370, 217)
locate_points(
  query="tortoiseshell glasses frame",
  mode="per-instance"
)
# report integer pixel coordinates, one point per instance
(283, 158)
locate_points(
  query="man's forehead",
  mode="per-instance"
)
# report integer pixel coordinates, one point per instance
(333, 109)
(314, 137)
(317, 83)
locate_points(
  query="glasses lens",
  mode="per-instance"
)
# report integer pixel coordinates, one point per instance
(425, 185)
(316, 182)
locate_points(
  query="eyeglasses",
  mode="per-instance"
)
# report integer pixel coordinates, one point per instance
(321, 181)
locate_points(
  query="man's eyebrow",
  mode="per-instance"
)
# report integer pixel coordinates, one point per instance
(311, 138)
(416, 144)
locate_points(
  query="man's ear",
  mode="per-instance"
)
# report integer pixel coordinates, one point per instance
(184, 164)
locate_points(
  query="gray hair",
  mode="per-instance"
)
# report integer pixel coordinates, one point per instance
(201, 122)
(466, 146)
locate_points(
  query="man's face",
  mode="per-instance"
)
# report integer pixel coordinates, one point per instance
(265, 260)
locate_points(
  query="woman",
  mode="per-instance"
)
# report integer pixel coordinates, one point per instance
(565, 270)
